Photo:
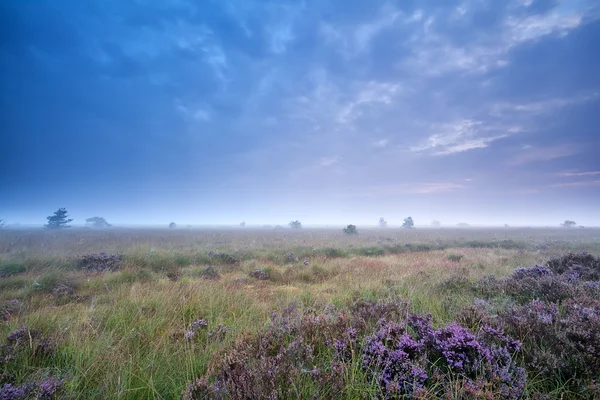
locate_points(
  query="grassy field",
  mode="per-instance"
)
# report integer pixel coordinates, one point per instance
(78, 329)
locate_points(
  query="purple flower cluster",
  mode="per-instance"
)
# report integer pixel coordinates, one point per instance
(219, 333)
(260, 275)
(201, 323)
(531, 272)
(11, 392)
(48, 389)
(195, 326)
(405, 363)
(398, 358)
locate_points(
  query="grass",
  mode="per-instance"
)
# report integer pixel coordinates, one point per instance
(122, 334)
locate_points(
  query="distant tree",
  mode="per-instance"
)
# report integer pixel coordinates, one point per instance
(408, 223)
(97, 222)
(172, 225)
(2, 222)
(568, 224)
(382, 222)
(295, 224)
(463, 225)
(242, 224)
(350, 230)
(436, 224)
(506, 225)
(59, 220)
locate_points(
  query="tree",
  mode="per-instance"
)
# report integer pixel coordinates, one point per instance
(2, 222)
(242, 224)
(436, 224)
(568, 224)
(97, 222)
(382, 222)
(295, 224)
(59, 220)
(408, 223)
(350, 230)
(172, 225)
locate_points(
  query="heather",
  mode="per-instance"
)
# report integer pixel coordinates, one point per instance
(280, 313)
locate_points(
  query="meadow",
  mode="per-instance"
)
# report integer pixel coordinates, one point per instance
(497, 313)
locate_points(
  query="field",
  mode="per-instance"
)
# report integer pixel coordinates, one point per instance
(306, 313)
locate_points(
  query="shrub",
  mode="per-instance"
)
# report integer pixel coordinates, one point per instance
(260, 274)
(333, 252)
(561, 342)
(455, 257)
(350, 230)
(100, 262)
(210, 273)
(7, 270)
(224, 258)
(372, 251)
(582, 265)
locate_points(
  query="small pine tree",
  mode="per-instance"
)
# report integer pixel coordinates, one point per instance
(350, 230)
(172, 225)
(408, 223)
(382, 222)
(59, 220)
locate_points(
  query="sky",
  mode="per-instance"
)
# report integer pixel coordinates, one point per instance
(325, 111)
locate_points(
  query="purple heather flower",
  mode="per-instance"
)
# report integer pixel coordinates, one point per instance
(50, 387)
(201, 323)
(189, 335)
(11, 392)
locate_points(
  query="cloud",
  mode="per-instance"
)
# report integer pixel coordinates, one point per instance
(461, 136)
(366, 32)
(355, 40)
(543, 154)
(435, 52)
(371, 93)
(381, 143)
(328, 161)
(588, 173)
(416, 188)
(577, 184)
(192, 113)
(543, 106)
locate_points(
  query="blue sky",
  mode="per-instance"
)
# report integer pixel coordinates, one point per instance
(216, 112)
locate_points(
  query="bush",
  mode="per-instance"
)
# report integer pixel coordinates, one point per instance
(224, 258)
(561, 342)
(101, 262)
(581, 265)
(8, 270)
(455, 257)
(350, 230)
(372, 251)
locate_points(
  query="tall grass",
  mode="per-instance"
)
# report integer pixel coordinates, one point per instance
(121, 334)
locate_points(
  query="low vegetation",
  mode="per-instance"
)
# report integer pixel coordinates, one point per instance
(253, 314)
